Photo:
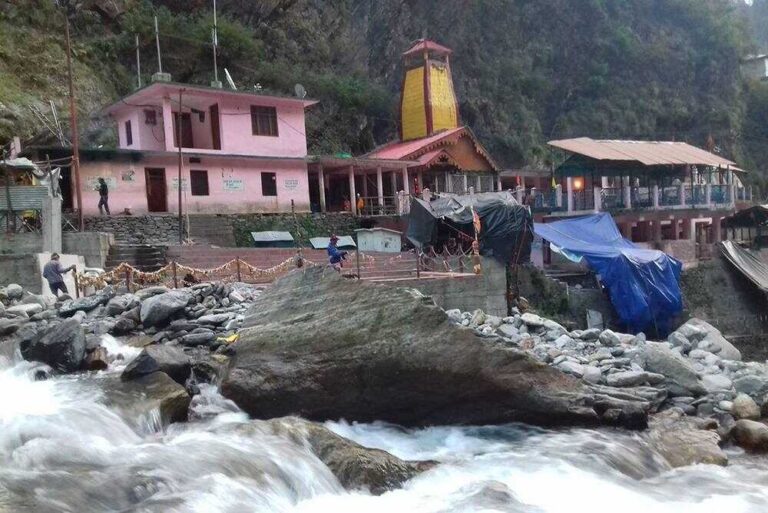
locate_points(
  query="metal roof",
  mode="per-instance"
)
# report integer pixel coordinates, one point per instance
(649, 153)
(272, 237)
(421, 45)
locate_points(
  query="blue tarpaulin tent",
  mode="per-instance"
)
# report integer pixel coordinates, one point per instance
(643, 283)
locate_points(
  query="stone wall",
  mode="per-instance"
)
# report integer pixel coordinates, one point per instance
(309, 225)
(93, 246)
(27, 271)
(154, 229)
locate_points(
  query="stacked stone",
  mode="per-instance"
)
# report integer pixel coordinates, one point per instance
(152, 230)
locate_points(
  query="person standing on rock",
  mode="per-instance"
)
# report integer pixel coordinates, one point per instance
(103, 196)
(54, 273)
(335, 257)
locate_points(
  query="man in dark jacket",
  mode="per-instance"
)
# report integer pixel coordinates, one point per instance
(335, 257)
(103, 196)
(54, 273)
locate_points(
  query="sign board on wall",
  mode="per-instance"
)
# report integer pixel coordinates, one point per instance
(175, 184)
(129, 175)
(291, 184)
(93, 182)
(233, 184)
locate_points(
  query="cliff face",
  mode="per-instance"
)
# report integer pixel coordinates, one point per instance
(525, 71)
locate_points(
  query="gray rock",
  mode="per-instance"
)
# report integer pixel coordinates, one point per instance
(493, 321)
(215, 319)
(138, 398)
(478, 318)
(609, 338)
(716, 383)
(713, 338)
(157, 310)
(752, 385)
(626, 379)
(120, 304)
(198, 339)
(162, 358)
(684, 441)
(507, 330)
(751, 435)
(86, 304)
(692, 332)
(123, 326)
(422, 369)
(681, 378)
(62, 346)
(532, 320)
(14, 291)
(555, 328)
(570, 367)
(592, 374)
(698, 354)
(236, 297)
(677, 339)
(232, 325)
(454, 315)
(148, 292)
(563, 341)
(745, 408)
(590, 334)
(24, 310)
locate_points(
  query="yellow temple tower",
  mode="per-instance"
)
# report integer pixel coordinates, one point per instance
(427, 102)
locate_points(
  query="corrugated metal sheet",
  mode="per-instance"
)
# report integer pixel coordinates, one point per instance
(649, 153)
(272, 237)
(399, 150)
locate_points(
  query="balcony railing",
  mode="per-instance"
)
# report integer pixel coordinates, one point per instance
(669, 196)
(613, 198)
(641, 197)
(720, 195)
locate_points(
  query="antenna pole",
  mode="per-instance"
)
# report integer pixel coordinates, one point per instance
(73, 128)
(138, 62)
(157, 41)
(178, 141)
(215, 45)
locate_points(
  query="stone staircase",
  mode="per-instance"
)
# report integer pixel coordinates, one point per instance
(212, 230)
(144, 257)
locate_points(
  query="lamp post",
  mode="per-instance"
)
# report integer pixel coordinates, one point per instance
(73, 119)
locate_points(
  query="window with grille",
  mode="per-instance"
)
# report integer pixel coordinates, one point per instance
(268, 184)
(128, 134)
(198, 182)
(264, 121)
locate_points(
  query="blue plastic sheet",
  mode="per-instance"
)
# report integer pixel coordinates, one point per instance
(644, 284)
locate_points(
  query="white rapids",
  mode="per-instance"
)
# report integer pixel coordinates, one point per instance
(62, 450)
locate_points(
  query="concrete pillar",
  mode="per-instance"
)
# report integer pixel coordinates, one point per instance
(479, 184)
(352, 192)
(519, 194)
(52, 225)
(406, 185)
(167, 125)
(656, 230)
(717, 231)
(466, 183)
(598, 198)
(448, 182)
(655, 196)
(688, 229)
(498, 182)
(681, 194)
(533, 197)
(708, 194)
(365, 186)
(559, 196)
(675, 228)
(380, 187)
(421, 179)
(321, 183)
(569, 192)
(393, 177)
(627, 190)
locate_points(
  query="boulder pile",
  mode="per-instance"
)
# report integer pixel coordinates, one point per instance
(67, 334)
(695, 370)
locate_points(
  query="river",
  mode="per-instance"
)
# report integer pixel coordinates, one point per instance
(62, 450)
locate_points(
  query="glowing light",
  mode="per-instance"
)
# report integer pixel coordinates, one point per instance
(578, 183)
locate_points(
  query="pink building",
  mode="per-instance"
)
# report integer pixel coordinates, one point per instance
(241, 152)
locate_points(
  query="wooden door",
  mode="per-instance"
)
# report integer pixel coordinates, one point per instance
(157, 191)
(186, 130)
(215, 129)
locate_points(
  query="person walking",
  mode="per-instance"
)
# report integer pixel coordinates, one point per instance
(54, 273)
(335, 257)
(360, 204)
(103, 196)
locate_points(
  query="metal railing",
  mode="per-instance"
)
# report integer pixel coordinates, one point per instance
(720, 194)
(584, 200)
(695, 194)
(612, 198)
(669, 196)
(375, 206)
(641, 197)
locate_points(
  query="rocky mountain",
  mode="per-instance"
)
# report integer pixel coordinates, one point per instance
(525, 71)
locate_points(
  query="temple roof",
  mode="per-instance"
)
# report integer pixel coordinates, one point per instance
(420, 45)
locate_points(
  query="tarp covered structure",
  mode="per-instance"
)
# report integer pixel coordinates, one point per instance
(506, 226)
(754, 269)
(643, 283)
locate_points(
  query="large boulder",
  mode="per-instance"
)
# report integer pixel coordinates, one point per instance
(159, 358)
(156, 310)
(86, 304)
(138, 399)
(120, 304)
(681, 377)
(14, 291)
(684, 440)
(744, 407)
(751, 435)
(62, 346)
(713, 341)
(356, 467)
(323, 347)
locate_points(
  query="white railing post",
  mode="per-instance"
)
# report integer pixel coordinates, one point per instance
(681, 192)
(655, 192)
(708, 194)
(627, 196)
(569, 192)
(559, 196)
(732, 194)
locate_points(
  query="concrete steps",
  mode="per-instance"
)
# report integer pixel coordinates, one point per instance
(212, 229)
(144, 257)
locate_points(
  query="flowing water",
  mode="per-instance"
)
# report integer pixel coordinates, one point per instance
(62, 450)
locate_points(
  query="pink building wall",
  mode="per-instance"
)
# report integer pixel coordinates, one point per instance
(127, 185)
